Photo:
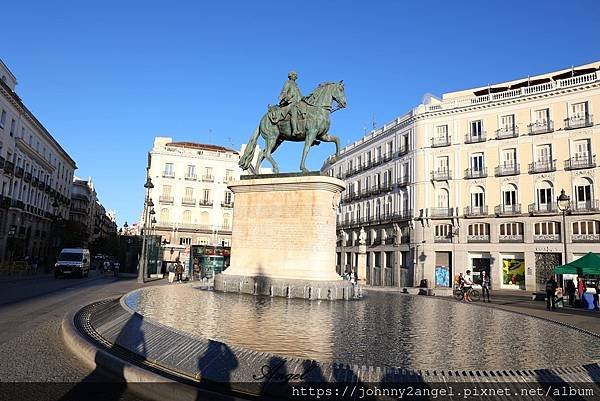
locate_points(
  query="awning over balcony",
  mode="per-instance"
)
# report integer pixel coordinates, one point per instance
(574, 73)
(490, 90)
(530, 82)
(585, 265)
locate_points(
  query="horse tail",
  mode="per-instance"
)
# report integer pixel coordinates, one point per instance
(246, 159)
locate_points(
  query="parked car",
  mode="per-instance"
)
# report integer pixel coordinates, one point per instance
(73, 261)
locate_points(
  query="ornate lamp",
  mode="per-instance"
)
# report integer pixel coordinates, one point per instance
(563, 201)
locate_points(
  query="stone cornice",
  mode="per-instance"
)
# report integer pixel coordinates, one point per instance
(24, 146)
(311, 183)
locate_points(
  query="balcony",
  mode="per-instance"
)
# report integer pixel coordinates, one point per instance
(165, 199)
(386, 187)
(9, 167)
(442, 239)
(41, 186)
(579, 121)
(403, 182)
(79, 210)
(483, 238)
(188, 201)
(507, 132)
(27, 177)
(475, 173)
(191, 177)
(441, 141)
(541, 127)
(510, 238)
(17, 203)
(593, 238)
(226, 204)
(507, 169)
(208, 178)
(388, 156)
(475, 211)
(442, 212)
(580, 162)
(542, 208)
(35, 181)
(507, 210)
(544, 166)
(546, 237)
(441, 175)
(19, 171)
(475, 137)
(377, 161)
(206, 202)
(590, 206)
(168, 174)
(375, 190)
(403, 150)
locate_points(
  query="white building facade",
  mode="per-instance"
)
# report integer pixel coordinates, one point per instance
(191, 201)
(35, 180)
(470, 181)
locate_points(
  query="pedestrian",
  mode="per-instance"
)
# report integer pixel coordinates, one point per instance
(467, 286)
(570, 288)
(178, 270)
(485, 286)
(551, 287)
(581, 289)
(596, 296)
(171, 270)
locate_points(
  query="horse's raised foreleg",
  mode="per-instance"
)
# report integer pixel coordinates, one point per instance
(332, 138)
(310, 137)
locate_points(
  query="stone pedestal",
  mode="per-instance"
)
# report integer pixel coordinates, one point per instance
(283, 239)
(361, 267)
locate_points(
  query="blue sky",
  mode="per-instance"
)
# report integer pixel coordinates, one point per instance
(106, 77)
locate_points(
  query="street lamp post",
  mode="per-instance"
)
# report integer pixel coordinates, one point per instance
(564, 204)
(148, 210)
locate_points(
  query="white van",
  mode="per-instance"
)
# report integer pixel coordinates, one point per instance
(73, 261)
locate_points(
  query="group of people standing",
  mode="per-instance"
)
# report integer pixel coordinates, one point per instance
(571, 290)
(175, 271)
(465, 283)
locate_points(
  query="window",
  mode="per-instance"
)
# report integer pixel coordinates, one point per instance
(509, 157)
(476, 129)
(228, 197)
(513, 229)
(13, 123)
(166, 190)
(442, 163)
(586, 228)
(228, 175)
(583, 193)
(191, 171)
(443, 230)
(189, 192)
(441, 131)
(477, 164)
(581, 149)
(185, 241)
(208, 172)
(544, 193)
(187, 216)
(544, 153)
(507, 123)
(579, 111)
(542, 117)
(509, 195)
(389, 148)
(378, 154)
(479, 229)
(477, 197)
(168, 172)
(443, 198)
(2, 118)
(206, 195)
(164, 215)
(547, 228)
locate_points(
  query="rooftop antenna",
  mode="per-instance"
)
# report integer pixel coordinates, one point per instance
(373, 117)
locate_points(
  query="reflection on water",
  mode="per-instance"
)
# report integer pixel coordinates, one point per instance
(383, 329)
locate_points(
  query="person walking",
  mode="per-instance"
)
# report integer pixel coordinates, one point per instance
(485, 286)
(551, 287)
(178, 271)
(581, 289)
(171, 270)
(571, 289)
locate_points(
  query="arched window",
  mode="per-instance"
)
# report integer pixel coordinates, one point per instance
(388, 206)
(583, 194)
(204, 218)
(368, 211)
(443, 233)
(510, 199)
(187, 216)
(586, 231)
(164, 215)
(443, 198)
(378, 208)
(226, 221)
(546, 231)
(511, 232)
(544, 197)
(478, 232)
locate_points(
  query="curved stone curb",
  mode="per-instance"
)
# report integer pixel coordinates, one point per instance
(97, 357)
(339, 371)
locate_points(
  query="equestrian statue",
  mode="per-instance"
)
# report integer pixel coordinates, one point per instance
(297, 119)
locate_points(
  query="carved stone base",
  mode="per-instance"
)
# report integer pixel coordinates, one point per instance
(288, 288)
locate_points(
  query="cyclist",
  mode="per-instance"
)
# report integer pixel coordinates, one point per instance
(468, 286)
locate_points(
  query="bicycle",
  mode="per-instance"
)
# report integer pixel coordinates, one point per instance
(459, 294)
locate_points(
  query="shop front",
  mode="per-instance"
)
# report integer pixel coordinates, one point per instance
(206, 261)
(513, 271)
